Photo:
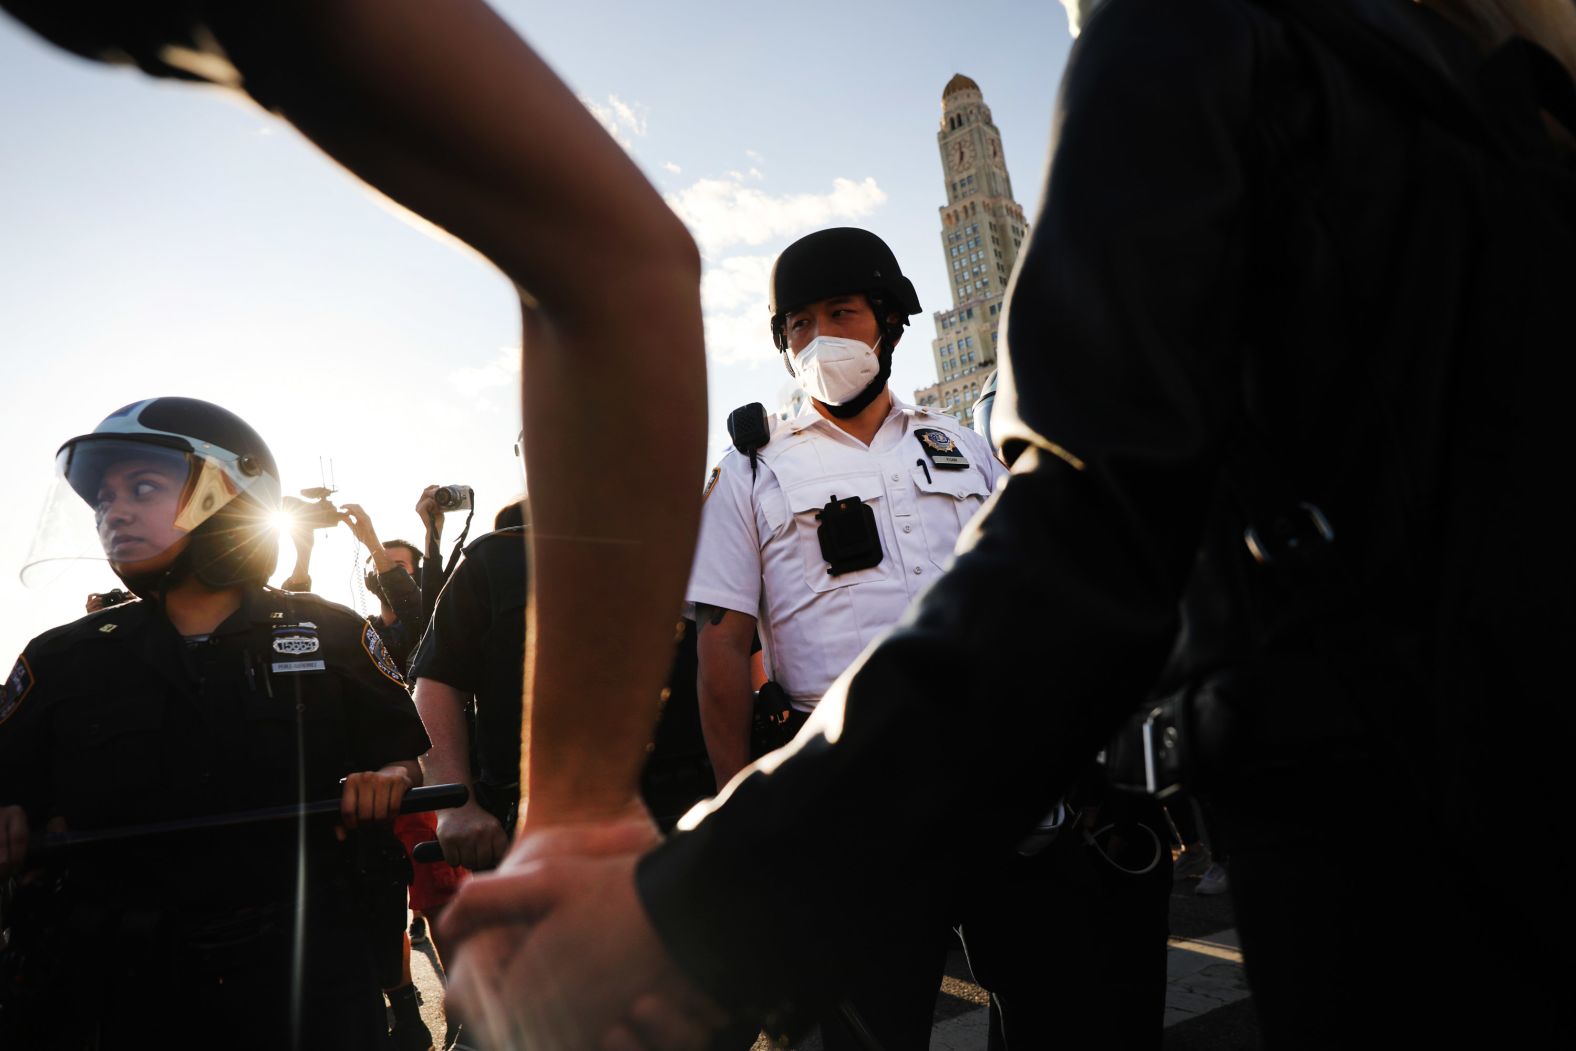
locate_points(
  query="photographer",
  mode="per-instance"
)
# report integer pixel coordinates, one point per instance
(305, 518)
(104, 600)
(392, 572)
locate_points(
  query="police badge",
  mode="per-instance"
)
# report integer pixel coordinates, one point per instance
(941, 449)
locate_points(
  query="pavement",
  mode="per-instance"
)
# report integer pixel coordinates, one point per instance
(1208, 1005)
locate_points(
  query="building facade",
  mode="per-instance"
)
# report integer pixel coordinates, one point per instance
(982, 227)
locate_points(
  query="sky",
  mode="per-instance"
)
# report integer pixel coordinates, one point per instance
(157, 238)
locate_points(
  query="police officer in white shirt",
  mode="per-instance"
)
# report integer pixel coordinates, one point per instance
(818, 531)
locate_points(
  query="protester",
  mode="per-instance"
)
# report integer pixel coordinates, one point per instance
(1293, 283)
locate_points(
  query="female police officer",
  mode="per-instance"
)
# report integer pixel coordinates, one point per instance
(213, 694)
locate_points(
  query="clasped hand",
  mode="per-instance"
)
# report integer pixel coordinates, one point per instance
(555, 951)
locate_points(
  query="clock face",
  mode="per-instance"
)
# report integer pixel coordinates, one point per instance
(961, 153)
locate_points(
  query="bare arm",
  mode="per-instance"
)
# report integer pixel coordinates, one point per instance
(442, 711)
(469, 835)
(723, 685)
(457, 119)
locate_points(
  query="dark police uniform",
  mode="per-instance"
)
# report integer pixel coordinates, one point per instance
(475, 643)
(116, 720)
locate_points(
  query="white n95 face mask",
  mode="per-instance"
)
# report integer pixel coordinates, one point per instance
(833, 370)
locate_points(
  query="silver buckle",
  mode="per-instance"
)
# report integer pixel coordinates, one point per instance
(1290, 540)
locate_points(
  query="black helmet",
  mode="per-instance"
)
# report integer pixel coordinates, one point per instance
(841, 261)
(214, 474)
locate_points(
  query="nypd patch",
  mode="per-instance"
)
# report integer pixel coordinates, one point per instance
(15, 689)
(373, 644)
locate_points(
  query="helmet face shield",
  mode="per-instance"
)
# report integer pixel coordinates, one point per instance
(134, 502)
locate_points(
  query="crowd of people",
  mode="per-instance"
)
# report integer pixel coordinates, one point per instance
(1279, 407)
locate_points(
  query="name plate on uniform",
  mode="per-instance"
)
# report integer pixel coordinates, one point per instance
(289, 666)
(941, 449)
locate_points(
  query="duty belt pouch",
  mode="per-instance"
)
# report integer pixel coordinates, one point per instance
(849, 536)
(774, 720)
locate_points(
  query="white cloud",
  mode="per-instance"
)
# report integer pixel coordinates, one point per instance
(733, 297)
(502, 371)
(729, 284)
(627, 115)
(756, 157)
(741, 336)
(725, 212)
(669, 166)
(618, 118)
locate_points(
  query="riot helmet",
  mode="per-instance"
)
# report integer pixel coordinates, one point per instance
(842, 261)
(162, 489)
(983, 407)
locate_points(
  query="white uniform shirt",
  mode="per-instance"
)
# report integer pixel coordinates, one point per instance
(759, 552)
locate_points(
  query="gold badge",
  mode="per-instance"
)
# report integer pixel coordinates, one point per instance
(942, 449)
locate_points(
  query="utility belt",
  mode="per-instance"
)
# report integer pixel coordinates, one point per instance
(500, 800)
(774, 721)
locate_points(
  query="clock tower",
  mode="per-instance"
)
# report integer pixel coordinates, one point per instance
(982, 228)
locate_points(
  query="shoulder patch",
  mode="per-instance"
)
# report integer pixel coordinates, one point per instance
(373, 644)
(716, 473)
(15, 689)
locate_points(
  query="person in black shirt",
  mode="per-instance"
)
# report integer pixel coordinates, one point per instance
(474, 648)
(1285, 407)
(393, 568)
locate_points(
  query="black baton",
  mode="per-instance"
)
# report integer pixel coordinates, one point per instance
(416, 801)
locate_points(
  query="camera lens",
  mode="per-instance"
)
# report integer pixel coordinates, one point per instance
(452, 497)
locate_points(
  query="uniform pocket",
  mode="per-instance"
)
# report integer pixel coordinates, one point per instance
(806, 501)
(303, 721)
(947, 501)
(109, 756)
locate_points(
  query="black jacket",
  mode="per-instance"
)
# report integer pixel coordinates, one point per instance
(1227, 258)
(114, 720)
